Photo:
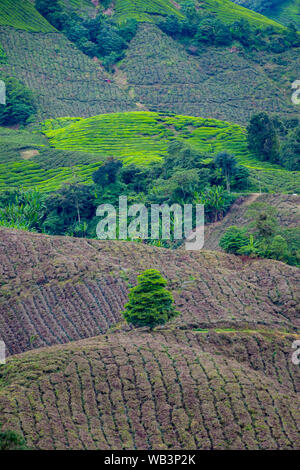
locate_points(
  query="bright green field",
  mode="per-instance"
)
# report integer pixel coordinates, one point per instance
(47, 170)
(21, 14)
(75, 147)
(143, 137)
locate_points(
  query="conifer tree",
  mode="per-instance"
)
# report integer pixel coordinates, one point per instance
(150, 304)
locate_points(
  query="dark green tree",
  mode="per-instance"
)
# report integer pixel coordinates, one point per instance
(262, 137)
(107, 173)
(290, 150)
(19, 105)
(150, 304)
(227, 163)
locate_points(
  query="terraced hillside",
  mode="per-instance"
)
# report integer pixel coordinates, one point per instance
(64, 80)
(160, 391)
(229, 12)
(288, 214)
(157, 74)
(58, 289)
(143, 137)
(78, 146)
(285, 12)
(220, 83)
(21, 14)
(143, 11)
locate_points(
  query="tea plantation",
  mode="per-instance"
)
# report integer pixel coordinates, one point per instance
(78, 146)
(21, 14)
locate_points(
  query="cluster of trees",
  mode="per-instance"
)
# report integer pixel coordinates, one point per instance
(262, 237)
(201, 28)
(184, 176)
(275, 140)
(97, 37)
(259, 5)
(20, 106)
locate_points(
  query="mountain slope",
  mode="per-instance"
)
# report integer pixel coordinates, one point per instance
(58, 289)
(288, 214)
(284, 11)
(76, 147)
(142, 10)
(220, 83)
(64, 80)
(229, 12)
(21, 14)
(155, 391)
(157, 74)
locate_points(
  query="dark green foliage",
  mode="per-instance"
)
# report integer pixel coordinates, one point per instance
(2, 55)
(233, 240)
(262, 137)
(263, 237)
(107, 173)
(290, 150)
(258, 5)
(19, 105)
(150, 304)
(96, 37)
(216, 202)
(227, 163)
(68, 208)
(10, 440)
(23, 210)
(240, 178)
(279, 248)
(275, 140)
(171, 26)
(208, 29)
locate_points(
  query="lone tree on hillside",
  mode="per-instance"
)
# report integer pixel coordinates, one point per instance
(150, 304)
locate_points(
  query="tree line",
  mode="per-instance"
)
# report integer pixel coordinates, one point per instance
(198, 28)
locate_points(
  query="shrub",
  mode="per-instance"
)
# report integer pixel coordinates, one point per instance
(279, 248)
(150, 304)
(10, 440)
(233, 240)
